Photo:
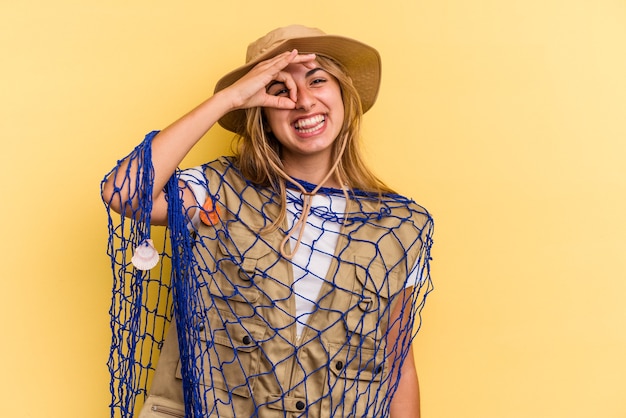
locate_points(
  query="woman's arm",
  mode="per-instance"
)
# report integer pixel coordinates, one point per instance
(172, 144)
(406, 400)
(169, 147)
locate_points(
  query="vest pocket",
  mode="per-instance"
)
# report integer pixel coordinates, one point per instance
(231, 290)
(232, 350)
(355, 375)
(233, 284)
(228, 360)
(367, 317)
(239, 241)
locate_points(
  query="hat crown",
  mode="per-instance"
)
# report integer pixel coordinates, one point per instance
(277, 37)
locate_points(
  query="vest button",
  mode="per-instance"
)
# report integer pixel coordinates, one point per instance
(300, 405)
(247, 340)
(339, 365)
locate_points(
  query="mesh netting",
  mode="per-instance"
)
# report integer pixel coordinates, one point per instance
(324, 332)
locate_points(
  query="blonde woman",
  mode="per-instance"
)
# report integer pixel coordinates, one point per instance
(298, 275)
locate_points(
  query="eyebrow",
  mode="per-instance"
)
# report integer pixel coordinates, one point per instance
(313, 71)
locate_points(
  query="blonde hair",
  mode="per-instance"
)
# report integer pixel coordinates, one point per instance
(258, 151)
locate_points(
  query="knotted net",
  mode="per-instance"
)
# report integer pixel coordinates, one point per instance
(321, 334)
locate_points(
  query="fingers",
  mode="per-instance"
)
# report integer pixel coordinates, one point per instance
(306, 59)
(289, 57)
(251, 89)
(281, 61)
(286, 78)
(277, 102)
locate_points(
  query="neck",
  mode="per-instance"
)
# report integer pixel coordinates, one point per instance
(312, 172)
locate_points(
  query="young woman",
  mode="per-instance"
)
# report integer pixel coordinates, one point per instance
(298, 275)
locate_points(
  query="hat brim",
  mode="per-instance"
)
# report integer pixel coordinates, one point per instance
(362, 62)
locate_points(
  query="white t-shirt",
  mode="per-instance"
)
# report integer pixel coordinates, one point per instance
(317, 246)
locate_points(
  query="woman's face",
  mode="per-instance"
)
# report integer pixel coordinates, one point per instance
(307, 132)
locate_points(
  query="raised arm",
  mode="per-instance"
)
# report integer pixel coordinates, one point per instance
(172, 144)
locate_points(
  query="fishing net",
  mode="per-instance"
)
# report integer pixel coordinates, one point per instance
(319, 330)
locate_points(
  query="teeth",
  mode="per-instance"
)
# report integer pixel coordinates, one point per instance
(309, 124)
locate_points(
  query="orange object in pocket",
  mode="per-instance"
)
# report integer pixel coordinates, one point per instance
(210, 213)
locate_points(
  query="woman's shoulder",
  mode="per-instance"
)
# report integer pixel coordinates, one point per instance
(212, 172)
(389, 201)
(218, 168)
(220, 163)
(223, 173)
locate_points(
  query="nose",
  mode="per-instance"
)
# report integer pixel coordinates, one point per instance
(305, 100)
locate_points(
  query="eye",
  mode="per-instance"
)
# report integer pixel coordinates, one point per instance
(317, 81)
(278, 89)
(281, 92)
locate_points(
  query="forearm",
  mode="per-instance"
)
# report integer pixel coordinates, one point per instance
(172, 144)
(406, 401)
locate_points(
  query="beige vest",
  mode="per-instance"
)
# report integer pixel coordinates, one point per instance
(245, 334)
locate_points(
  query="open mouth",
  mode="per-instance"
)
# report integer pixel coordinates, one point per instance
(309, 125)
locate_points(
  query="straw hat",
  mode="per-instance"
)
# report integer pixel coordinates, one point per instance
(361, 61)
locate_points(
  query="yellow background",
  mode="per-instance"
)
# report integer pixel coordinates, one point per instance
(505, 118)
